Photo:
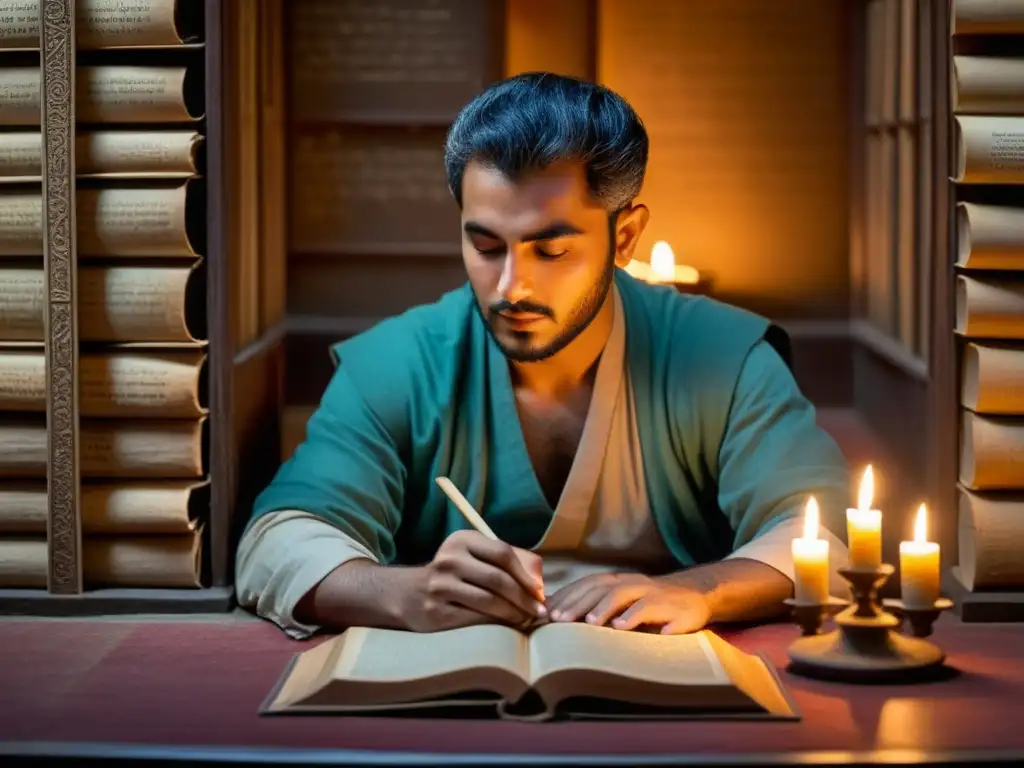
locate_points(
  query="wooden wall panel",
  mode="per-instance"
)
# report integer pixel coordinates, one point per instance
(551, 36)
(746, 108)
(369, 287)
(367, 191)
(382, 61)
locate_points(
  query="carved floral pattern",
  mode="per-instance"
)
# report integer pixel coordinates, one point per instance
(57, 119)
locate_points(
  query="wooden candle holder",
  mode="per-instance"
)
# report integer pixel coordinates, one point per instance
(866, 645)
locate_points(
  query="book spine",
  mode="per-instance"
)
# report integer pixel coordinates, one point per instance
(135, 495)
(112, 222)
(987, 17)
(110, 94)
(169, 561)
(987, 101)
(104, 154)
(110, 448)
(116, 304)
(108, 23)
(989, 529)
(143, 507)
(116, 384)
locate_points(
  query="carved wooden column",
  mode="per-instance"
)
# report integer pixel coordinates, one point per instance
(64, 530)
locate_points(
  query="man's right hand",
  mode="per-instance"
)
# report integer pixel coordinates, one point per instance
(475, 580)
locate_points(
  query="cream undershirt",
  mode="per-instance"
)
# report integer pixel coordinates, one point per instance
(602, 521)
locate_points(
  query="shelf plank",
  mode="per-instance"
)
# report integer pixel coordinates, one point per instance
(115, 601)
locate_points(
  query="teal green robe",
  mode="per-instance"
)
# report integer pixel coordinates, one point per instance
(428, 393)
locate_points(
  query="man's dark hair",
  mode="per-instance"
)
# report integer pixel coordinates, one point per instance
(532, 120)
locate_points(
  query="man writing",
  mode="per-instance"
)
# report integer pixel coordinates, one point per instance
(643, 457)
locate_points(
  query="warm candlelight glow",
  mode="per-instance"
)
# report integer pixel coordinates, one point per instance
(867, 490)
(663, 261)
(919, 565)
(864, 526)
(921, 524)
(663, 267)
(811, 519)
(810, 560)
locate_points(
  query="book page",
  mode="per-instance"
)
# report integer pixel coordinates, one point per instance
(137, 154)
(106, 155)
(152, 562)
(120, 94)
(137, 222)
(990, 529)
(380, 655)
(665, 659)
(990, 307)
(138, 507)
(19, 96)
(991, 452)
(107, 23)
(993, 379)
(988, 85)
(111, 222)
(109, 94)
(168, 562)
(120, 304)
(989, 236)
(23, 563)
(21, 155)
(157, 304)
(989, 150)
(115, 384)
(21, 224)
(987, 17)
(22, 293)
(156, 449)
(367, 668)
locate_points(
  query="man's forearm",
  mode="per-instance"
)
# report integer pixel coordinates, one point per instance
(738, 589)
(358, 593)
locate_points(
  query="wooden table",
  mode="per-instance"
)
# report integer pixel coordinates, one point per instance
(136, 691)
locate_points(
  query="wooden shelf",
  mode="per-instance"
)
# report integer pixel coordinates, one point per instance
(100, 602)
(983, 606)
(328, 325)
(331, 118)
(418, 250)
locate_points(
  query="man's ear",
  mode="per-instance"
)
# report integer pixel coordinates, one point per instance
(628, 229)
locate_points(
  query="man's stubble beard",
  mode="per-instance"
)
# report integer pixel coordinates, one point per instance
(581, 316)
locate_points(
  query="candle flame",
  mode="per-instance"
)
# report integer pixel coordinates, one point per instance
(921, 524)
(663, 261)
(867, 490)
(811, 516)
(664, 268)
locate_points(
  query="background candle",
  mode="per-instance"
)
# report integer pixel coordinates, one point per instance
(919, 566)
(864, 527)
(810, 561)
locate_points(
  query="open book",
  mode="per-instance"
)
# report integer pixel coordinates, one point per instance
(557, 671)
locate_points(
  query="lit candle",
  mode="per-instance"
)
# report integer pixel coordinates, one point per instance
(810, 561)
(919, 566)
(663, 268)
(864, 527)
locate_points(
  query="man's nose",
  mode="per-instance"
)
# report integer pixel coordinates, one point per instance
(516, 281)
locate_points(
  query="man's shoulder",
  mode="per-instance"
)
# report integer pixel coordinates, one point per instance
(411, 337)
(690, 329)
(409, 360)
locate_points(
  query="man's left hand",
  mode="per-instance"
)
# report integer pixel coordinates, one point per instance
(629, 600)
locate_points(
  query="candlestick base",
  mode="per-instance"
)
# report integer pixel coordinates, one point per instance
(866, 645)
(811, 616)
(921, 620)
